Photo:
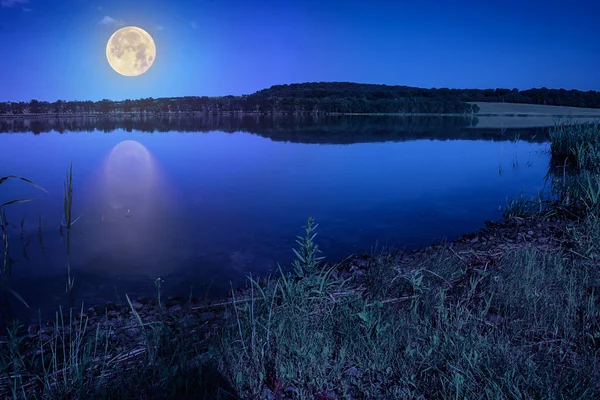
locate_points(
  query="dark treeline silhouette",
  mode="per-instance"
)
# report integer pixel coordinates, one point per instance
(319, 98)
(325, 129)
(374, 93)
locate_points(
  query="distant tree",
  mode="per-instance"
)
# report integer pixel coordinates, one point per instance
(104, 106)
(34, 107)
(58, 106)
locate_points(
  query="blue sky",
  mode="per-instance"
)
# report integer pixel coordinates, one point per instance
(55, 49)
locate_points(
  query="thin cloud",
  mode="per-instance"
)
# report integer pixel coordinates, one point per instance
(99, 8)
(10, 3)
(109, 21)
(160, 27)
(194, 24)
(26, 9)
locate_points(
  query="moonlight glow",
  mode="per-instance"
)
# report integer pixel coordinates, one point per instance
(130, 51)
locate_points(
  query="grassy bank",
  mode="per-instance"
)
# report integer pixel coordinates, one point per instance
(510, 312)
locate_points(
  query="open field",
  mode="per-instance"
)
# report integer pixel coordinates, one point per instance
(511, 115)
(512, 109)
(510, 122)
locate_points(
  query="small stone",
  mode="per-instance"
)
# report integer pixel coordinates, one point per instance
(113, 314)
(47, 330)
(267, 394)
(137, 305)
(33, 329)
(494, 319)
(174, 300)
(133, 331)
(175, 308)
(354, 372)
(45, 338)
(206, 316)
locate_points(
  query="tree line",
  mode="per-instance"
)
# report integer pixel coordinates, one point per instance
(318, 98)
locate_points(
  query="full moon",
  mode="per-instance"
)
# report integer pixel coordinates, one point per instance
(130, 51)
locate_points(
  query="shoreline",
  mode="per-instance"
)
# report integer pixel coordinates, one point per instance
(248, 114)
(122, 323)
(479, 248)
(495, 235)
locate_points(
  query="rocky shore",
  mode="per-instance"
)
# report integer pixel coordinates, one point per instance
(479, 250)
(130, 331)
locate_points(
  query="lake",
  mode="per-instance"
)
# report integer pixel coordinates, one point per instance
(203, 202)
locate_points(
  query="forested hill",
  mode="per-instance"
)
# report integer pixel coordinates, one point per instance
(551, 97)
(323, 98)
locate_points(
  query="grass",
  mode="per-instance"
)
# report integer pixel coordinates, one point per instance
(576, 146)
(523, 325)
(519, 322)
(436, 329)
(520, 207)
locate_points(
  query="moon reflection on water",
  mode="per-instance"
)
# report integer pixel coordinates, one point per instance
(131, 197)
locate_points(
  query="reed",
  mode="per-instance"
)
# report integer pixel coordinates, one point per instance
(67, 224)
(6, 270)
(577, 145)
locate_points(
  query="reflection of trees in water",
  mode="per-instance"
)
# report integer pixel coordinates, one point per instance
(295, 128)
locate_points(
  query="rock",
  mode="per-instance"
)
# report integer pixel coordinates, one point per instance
(206, 316)
(493, 319)
(108, 323)
(45, 338)
(47, 330)
(354, 372)
(133, 331)
(137, 305)
(175, 308)
(33, 329)
(113, 314)
(267, 394)
(174, 300)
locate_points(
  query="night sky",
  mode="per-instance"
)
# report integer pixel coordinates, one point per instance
(53, 50)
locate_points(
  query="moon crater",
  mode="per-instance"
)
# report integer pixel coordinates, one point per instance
(130, 51)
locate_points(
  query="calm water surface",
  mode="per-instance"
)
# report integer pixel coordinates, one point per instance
(202, 207)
